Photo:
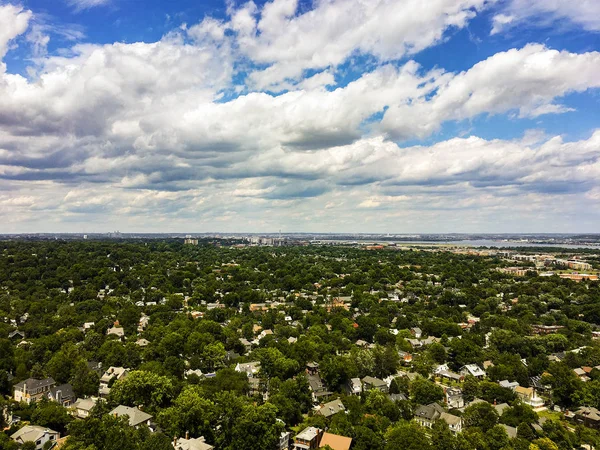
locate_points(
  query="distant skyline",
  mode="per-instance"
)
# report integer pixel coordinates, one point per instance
(373, 116)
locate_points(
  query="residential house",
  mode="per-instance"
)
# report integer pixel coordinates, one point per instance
(405, 357)
(582, 374)
(83, 407)
(397, 397)
(264, 333)
(136, 416)
(16, 334)
(62, 394)
(361, 343)
(427, 415)
(430, 340)
(416, 332)
(191, 444)
(251, 369)
(454, 398)
(501, 407)
(36, 434)
(588, 416)
(354, 386)
(557, 357)
(95, 366)
(512, 385)
(308, 439)
(110, 376)
(32, 389)
(312, 368)
(546, 329)
(284, 440)
(454, 422)
(189, 372)
(143, 323)
(529, 397)
(247, 344)
(142, 342)
(335, 441)
(472, 369)
(374, 383)
(116, 331)
(414, 343)
(331, 408)
(318, 389)
(510, 431)
(452, 376)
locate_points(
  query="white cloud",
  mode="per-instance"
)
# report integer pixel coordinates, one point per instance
(334, 30)
(500, 21)
(528, 80)
(80, 5)
(14, 21)
(160, 132)
(583, 13)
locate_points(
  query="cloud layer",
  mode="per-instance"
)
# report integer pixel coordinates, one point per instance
(242, 122)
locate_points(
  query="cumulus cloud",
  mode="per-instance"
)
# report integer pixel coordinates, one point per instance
(583, 13)
(14, 21)
(334, 30)
(163, 132)
(527, 80)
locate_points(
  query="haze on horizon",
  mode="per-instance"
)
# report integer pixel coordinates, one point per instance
(379, 116)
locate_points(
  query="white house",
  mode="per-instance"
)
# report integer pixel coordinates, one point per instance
(250, 368)
(472, 369)
(83, 407)
(36, 434)
(136, 416)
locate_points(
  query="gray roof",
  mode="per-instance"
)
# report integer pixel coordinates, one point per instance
(66, 391)
(397, 397)
(308, 434)
(33, 384)
(450, 419)
(429, 412)
(192, 444)
(331, 408)
(501, 407)
(85, 404)
(31, 433)
(511, 431)
(136, 416)
(374, 381)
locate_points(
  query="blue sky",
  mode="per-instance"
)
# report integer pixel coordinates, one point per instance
(397, 116)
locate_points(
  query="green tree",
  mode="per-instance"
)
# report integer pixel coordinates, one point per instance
(497, 438)
(406, 436)
(143, 388)
(481, 415)
(191, 412)
(424, 391)
(259, 422)
(442, 438)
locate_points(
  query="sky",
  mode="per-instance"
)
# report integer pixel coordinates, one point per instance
(378, 116)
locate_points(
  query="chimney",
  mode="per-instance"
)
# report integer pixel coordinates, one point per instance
(187, 435)
(174, 441)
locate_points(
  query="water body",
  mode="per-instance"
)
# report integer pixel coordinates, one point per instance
(498, 244)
